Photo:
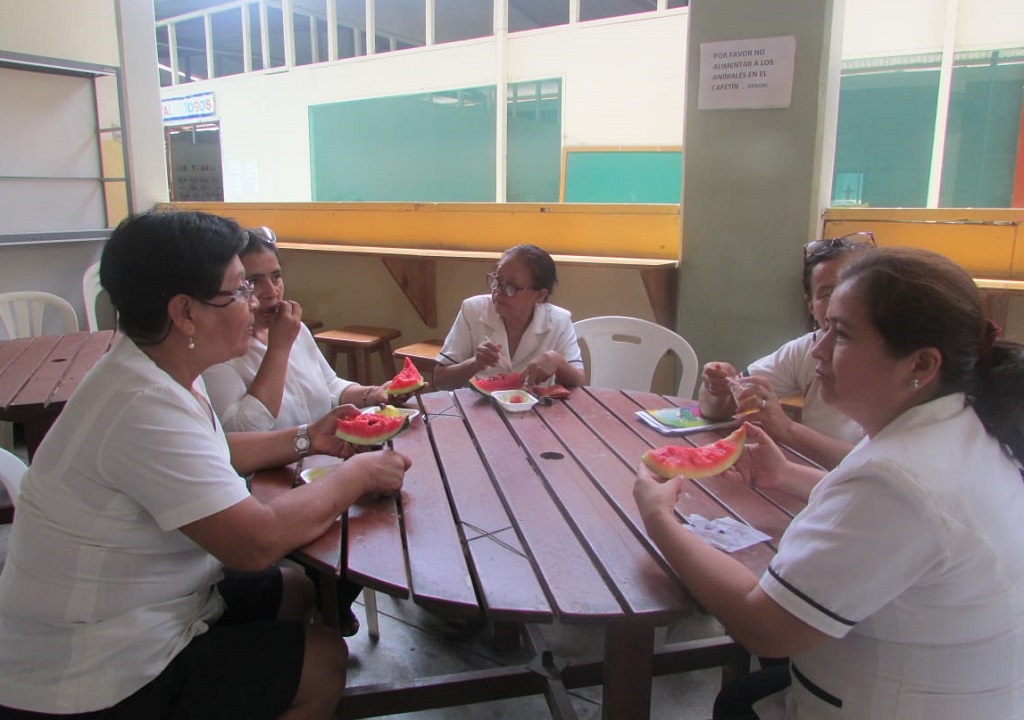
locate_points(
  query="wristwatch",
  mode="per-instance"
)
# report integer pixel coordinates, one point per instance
(301, 441)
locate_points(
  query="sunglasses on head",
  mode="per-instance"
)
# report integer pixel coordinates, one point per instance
(262, 233)
(820, 247)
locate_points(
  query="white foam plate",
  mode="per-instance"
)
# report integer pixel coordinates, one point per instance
(411, 413)
(514, 400)
(310, 474)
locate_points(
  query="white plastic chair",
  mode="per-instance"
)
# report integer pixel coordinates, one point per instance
(12, 468)
(91, 290)
(625, 352)
(21, 313)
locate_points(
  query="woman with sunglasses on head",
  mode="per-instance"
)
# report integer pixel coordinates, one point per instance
(115, 601)
(514, 328)
(898, 592)
(283, 380)
(824, 434)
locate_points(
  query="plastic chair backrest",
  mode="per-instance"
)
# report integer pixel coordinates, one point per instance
(12, 468)
(21, 313)
(625, 352)
(91, 290)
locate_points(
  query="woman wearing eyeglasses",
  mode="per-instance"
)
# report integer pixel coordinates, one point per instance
(114, 598)
(514, 328)
(823, 434)
(283, 380)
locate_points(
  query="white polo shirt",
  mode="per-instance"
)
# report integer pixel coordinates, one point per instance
(791, 371)
(550, 329)
(910, 554)
(101, 590)
(311, 387)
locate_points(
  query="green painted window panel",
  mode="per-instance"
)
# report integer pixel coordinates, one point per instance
(534, 141)
(624, 176)
(431, 147)
(884, 139)
(981, 134)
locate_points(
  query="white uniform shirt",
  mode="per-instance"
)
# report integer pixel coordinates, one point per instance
(791, 371)
(550, 329)
(910, 555)
(311, 388)
(101, 590)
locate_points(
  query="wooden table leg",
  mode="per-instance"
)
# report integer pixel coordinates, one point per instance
(628, 670)
(35, 429)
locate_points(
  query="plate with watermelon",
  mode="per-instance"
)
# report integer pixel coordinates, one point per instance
(494, 383)
(374, 426)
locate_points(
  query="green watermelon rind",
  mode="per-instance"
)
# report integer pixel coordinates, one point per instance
(475, 383)
(378, 439)
(667, 471)
(406, 390)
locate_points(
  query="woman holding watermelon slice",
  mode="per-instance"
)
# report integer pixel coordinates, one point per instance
(824, 434)
(115, 600)
(514, 329)
(898, 592)
(283, 380)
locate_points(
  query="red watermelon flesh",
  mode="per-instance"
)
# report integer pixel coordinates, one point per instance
(406, 381)
(696, 462)
(370, 428)
(501, 381)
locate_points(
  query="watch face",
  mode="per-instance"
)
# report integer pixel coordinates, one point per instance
(301, 443)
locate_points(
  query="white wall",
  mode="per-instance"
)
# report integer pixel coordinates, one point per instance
(608, 101)
(623, 80)
(85, 31)
(82, 30)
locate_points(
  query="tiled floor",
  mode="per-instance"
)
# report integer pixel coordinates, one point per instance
(413, 644)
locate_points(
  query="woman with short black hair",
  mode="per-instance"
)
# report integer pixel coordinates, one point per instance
(112, 602)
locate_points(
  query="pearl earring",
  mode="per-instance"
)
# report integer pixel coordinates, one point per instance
(915, 383)
(191, 343)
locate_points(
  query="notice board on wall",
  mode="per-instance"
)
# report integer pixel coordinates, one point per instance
(622, 175)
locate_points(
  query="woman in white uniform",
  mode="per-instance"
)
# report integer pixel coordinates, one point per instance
(113, 600)
(283, 380)
(514, 329)
(899, 591)
(824, 434)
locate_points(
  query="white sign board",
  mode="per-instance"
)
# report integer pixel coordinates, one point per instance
(747, 74)
(191, 107)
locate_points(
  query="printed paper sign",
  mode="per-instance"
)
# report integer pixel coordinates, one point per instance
(747, 74)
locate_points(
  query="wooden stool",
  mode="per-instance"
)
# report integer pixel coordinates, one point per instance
(359, 342)
(423, 355)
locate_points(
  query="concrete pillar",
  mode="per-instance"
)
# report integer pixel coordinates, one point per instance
(755, 182)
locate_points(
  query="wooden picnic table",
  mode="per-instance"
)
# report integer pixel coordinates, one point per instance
(529, 518)
(38, 375)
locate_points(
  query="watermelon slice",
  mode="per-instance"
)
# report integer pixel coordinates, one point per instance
(697, 462)
(372, 428)
(408, 380)
(501, 381)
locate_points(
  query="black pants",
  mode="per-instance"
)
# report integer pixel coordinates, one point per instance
(736, 700)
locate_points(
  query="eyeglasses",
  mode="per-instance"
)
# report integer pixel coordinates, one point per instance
(243, 293)
(262, 233)
(846, 242)
(505, 288)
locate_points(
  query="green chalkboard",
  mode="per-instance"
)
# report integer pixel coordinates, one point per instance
(623, 176)
(413, 148)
